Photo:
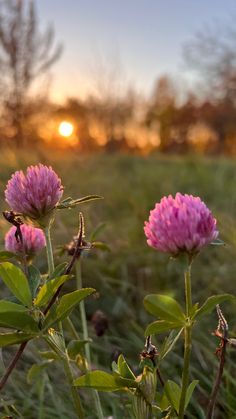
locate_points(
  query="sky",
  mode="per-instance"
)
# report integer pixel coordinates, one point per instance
(124, 42)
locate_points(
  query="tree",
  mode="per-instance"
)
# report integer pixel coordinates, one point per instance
(162, 110)
(212, 54)
(25, 55)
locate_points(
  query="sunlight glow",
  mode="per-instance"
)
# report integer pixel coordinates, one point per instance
(65, 129)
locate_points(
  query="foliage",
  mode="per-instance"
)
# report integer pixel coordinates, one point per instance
(123, 279)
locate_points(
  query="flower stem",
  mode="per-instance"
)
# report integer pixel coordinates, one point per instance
(188, 291)
(85, 336)
(49, 250)
(73, 390)
(82, 312)
(66, 361)
(187, 342)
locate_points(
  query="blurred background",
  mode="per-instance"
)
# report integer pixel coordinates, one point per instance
(132, 101)
(117, 76)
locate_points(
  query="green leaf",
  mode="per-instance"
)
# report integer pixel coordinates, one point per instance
(101, 246)
(65, 306)
(51, 355)
(114, 367)
(5, 255)
(84, 199)
(18, 320)
(125, 382)
(59, 270)
(98, 380)
(71, 203)
(124, 369)
(173, 393)
(190, 391)
(75, 346)
(17, 282)
(169, 343)
(55, 341)
(16, 316)
(6, 306)
(36, 370)
(48, 290)
(161, 326)
(156, 410)
(97, 231)
(66, 200)
(210, 304)
(15, 300)
(102, 381)
(164, 306)
(162, 401)
(7, 339)
(146, 362)
(218, 242)
(193, 310)
(34, 279)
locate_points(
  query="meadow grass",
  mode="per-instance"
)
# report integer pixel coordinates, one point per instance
(122, 276)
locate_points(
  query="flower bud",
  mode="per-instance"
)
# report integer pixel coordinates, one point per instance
(33, 241)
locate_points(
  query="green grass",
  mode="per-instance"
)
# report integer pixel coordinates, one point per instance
(130, 186)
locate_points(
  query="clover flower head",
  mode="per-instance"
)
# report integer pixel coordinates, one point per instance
(34, 194)
(180, 224)
(33, 240)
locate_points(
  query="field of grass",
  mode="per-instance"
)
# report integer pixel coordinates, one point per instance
(122, 276)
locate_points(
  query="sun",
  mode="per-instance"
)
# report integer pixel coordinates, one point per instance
(65, 129)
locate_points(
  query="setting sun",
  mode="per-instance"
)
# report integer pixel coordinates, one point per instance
(65, 129)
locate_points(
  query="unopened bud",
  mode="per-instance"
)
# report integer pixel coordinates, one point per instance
(100, 322)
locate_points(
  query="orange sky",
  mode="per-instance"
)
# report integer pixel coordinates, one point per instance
(136, 40)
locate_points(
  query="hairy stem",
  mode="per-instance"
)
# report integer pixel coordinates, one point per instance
(187, 342)
(160, 377)
(66, 361)
(49, 250)
(188, 291)
(82, 312)
(12, 365)
(72, 329)
(73, 390)
(85, 336)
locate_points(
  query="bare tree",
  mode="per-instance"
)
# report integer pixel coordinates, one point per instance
(212, 54)
(25, 55)
(112, 102)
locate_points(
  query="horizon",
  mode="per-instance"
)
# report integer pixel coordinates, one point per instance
(108, 43)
